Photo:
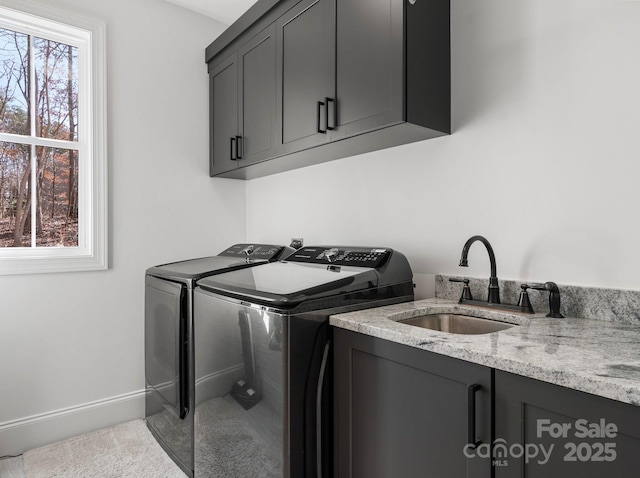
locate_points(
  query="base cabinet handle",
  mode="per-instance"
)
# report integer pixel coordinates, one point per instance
(472, 391)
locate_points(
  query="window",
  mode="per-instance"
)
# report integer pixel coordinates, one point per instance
(52, 141)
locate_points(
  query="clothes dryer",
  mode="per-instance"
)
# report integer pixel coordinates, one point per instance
(169, 342)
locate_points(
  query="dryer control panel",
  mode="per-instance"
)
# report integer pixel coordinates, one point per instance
(373, 257)
(266, 252)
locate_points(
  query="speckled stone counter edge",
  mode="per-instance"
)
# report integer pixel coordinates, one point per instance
(585, 302)
(592, 356)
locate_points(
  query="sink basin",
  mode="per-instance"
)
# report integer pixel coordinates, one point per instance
(457, 324)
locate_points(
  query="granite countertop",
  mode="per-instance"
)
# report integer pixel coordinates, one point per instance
(593, 356)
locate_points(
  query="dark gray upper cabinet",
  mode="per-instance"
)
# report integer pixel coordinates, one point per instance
(369, 65)
(306, 73)
(346, 77)
(242, 105)
(223, 110)
(257, 106)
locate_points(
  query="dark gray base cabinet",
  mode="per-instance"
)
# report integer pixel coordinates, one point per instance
(404, 412)
(401, 412)
(571, 433)
(327, 79)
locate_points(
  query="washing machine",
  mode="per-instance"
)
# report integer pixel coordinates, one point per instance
(263, 378)
(169, 342)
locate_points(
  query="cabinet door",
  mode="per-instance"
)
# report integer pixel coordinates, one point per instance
(549, 423)
(305, 59)
(405, 412)
(223, 108)
(257, 99)
(369, 71)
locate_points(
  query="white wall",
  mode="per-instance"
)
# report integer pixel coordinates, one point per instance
(544, 160)
(68, 340)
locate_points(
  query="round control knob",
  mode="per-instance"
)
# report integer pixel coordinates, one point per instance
(248, 250)
(331, 254)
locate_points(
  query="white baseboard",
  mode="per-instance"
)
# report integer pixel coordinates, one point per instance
(24, 434)
(218, 383)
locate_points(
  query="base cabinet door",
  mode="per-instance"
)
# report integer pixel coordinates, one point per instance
(404, 412)
(548, 431)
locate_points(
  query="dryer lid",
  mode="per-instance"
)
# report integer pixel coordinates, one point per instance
(235, 257)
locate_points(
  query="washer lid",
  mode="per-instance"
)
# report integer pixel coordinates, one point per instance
(318, 272)
(287, 284)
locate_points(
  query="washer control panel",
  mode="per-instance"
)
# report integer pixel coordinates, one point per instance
(342, 256)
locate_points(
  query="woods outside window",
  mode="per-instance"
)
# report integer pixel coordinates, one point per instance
(52, 141)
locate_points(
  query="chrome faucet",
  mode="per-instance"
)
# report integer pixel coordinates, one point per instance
(494, 290)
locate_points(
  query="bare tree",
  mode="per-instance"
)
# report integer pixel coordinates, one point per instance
(23, 206)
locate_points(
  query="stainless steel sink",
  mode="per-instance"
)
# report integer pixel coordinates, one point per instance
(457, 324)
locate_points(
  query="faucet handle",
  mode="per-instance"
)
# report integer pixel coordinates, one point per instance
(523, 301)
(554, 298)
(466, 290)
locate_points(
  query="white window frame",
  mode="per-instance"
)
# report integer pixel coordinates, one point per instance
(89, 36)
